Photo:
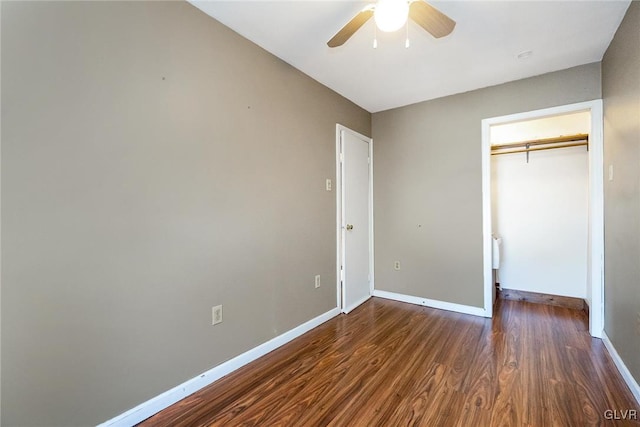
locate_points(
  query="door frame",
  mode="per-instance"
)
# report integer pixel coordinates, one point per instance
(339, 215)
(595, 259)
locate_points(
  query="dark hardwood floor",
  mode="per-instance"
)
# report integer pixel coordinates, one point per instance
(393, 364)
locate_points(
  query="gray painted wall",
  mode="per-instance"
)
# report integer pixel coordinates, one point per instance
(154, 164)
(621, 94)
(428, 182)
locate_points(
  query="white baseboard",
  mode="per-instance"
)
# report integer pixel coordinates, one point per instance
(624, 371)
(459, 308)
(168, 398)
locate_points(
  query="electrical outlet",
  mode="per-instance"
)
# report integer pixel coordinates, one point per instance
(396, 265)
(317, 281)
(328, 184)
(216, 315)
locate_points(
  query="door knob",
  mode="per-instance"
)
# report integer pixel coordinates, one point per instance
(349, 226)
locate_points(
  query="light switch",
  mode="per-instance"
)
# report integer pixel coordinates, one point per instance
(328, 185)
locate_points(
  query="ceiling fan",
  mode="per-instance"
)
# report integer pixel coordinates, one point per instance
(391, 15)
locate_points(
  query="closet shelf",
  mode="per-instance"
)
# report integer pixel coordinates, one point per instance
(577, 140)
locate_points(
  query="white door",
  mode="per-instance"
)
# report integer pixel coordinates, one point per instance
(355, 221)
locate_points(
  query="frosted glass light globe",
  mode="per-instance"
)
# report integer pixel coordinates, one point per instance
(390, 15)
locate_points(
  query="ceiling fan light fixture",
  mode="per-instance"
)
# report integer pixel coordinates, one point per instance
(391, 15)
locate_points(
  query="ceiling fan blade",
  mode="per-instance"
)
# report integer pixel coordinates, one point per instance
(352, 26)
(431, 19)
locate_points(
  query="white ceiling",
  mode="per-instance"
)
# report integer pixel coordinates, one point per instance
(482, 50)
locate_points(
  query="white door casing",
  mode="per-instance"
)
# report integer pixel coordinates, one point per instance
(355, 219)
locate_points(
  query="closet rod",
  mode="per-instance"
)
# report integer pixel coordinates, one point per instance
(545, 141)
(525, 150)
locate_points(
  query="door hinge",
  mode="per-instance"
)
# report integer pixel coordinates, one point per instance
(342, 157)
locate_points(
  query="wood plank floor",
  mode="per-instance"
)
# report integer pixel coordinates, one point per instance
(393, 364)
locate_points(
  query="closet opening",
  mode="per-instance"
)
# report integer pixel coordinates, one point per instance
(542, 208)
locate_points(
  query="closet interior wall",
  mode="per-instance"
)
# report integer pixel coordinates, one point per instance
(540, 204)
